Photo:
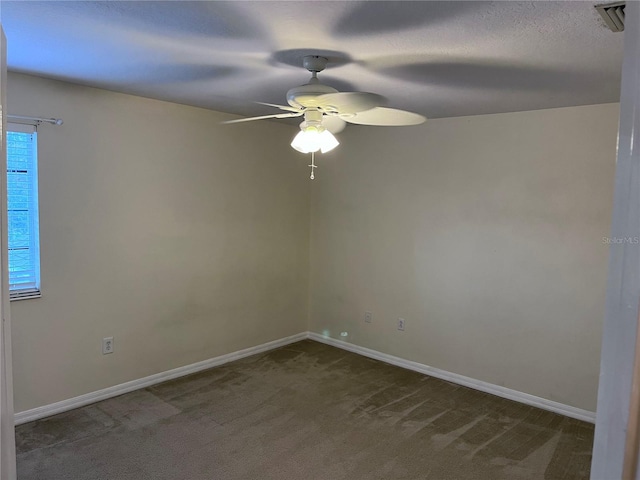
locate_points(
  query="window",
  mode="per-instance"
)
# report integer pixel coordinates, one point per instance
(22, 211)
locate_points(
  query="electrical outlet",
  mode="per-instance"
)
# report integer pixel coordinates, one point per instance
(368, 317)
(401, 324)
(107, 345)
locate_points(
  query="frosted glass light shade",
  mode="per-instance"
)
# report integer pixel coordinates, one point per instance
(312, 140)
(327, 141)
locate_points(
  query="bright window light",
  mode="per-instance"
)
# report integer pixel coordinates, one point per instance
(22, 211)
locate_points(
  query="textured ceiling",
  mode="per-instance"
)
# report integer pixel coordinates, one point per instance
(439, 59)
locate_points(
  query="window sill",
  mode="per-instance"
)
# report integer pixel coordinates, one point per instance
(14, 296)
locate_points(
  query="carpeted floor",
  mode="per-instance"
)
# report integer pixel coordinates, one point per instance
(305, 412)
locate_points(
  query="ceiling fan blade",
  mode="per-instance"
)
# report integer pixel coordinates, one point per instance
(350, 102)
(385, 117)
(333, 123)
(262, 117)
(281, 107)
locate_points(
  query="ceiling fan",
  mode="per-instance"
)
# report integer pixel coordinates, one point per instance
(327, 111)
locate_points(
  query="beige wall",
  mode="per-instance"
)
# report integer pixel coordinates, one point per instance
(185, 239)
(182, 238)
(485, 233)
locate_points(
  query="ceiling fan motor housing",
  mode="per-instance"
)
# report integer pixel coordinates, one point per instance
(304, 96)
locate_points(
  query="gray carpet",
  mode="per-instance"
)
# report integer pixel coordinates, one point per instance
(303, 412)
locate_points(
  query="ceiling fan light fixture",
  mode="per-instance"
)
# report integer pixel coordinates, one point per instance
(327, 111)
(312, 138)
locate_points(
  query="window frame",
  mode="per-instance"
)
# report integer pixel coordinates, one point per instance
(29, 292)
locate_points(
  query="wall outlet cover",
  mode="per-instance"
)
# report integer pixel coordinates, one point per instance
(107, 345)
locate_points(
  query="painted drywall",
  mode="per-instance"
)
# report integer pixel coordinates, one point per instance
(186, 240)
(182, 238)
(484, 233)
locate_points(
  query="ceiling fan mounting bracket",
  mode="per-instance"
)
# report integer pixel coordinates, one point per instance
(314, 63)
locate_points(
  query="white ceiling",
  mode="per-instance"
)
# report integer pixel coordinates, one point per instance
(439, 59)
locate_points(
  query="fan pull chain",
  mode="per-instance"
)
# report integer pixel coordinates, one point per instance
(313, 165)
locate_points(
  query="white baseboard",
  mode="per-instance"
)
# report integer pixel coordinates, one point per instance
(82, 400)
(497, 390)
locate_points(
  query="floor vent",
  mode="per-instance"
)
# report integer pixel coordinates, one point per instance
(613, 15)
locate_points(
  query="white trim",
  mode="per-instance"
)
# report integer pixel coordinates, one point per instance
(486, 387)
(515, 395)
(105, 393)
